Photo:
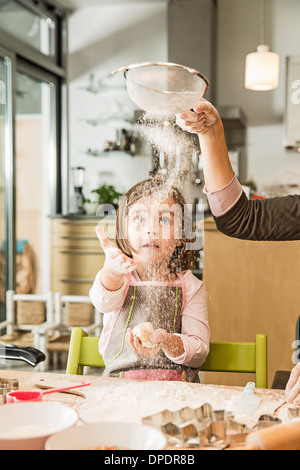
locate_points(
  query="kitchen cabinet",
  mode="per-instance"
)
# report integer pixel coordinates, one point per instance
(76, 253)
(252, 287)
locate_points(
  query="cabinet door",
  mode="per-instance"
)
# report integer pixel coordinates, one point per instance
(76, 242)
(71, 286)
(252, 287)
(84, 228)
(77, 263)
(77, 255)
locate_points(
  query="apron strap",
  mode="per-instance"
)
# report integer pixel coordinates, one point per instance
(126, 327)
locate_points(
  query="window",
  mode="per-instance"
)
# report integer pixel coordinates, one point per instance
(33, 28)
(32, 133)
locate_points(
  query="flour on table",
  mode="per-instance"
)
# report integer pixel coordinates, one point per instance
(130, 401)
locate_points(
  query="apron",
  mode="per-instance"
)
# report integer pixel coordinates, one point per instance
(162, 305)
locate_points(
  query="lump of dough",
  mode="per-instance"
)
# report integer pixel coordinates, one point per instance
(143, 331)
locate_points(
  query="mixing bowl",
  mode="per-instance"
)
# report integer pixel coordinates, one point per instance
(108, 435)
(28, 425)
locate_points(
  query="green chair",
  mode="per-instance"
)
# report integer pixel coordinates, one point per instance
(223, 357)
(240, 357)
(83, 351)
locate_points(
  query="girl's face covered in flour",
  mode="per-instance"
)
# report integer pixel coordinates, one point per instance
(151, 228)
(154, 230)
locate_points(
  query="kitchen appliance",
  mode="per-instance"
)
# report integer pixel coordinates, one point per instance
(77, 202)
(164, 88)
(31, 356)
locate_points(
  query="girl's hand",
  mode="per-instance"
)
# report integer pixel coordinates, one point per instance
(200, 120)
(135, 344)
(116, 264)
(171, 344)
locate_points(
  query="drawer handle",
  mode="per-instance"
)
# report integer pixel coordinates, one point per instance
(81, 237)
(80, 252)
(77, 237)
(74, 222)
(85, 222)
(77, 281)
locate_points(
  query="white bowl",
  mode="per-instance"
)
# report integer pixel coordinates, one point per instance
(28, 425)
(122, 435)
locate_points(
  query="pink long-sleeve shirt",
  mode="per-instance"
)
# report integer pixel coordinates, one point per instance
(223, 199)
(195, 333)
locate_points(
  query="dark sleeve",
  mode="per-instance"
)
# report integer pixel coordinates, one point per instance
(273, 219)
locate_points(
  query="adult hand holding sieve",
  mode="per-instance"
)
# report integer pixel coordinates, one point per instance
(116, 264)
(198, 120)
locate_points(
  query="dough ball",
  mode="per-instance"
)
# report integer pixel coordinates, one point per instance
(143, 331)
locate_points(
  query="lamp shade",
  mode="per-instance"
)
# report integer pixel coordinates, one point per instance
(262, 69)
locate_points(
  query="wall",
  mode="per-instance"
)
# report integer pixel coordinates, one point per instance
(102, 39)
(238, 34)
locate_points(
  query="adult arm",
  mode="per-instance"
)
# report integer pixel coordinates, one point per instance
(275, 219)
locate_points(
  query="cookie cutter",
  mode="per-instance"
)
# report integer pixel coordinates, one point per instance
(12, 383)
(6, 386)
(3, 392)
(294, 412)
(202, 427)
(265, 421)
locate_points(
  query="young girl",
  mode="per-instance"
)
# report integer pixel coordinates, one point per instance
(141, 282)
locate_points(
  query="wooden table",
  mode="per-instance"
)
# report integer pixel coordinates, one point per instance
(29, 380)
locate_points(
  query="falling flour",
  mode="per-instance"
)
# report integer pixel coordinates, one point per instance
(173, 147)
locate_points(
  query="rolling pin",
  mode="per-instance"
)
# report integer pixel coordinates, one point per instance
(280, 437)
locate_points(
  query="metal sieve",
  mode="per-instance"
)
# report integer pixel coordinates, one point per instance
(164, 88)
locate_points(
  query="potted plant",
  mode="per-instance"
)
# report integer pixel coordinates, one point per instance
(105, 194)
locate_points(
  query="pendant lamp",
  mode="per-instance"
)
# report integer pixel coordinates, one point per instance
(262, 66)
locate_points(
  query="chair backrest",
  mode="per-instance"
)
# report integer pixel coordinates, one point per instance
(223, 357)
(240, 357)
(32, 309)
(75, 310)
(83, 351)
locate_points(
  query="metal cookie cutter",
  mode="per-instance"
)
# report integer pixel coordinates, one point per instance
(294, 412)
(6, 386)
(265, 421)
(236, 432)
(201, 426)
(3, 392)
